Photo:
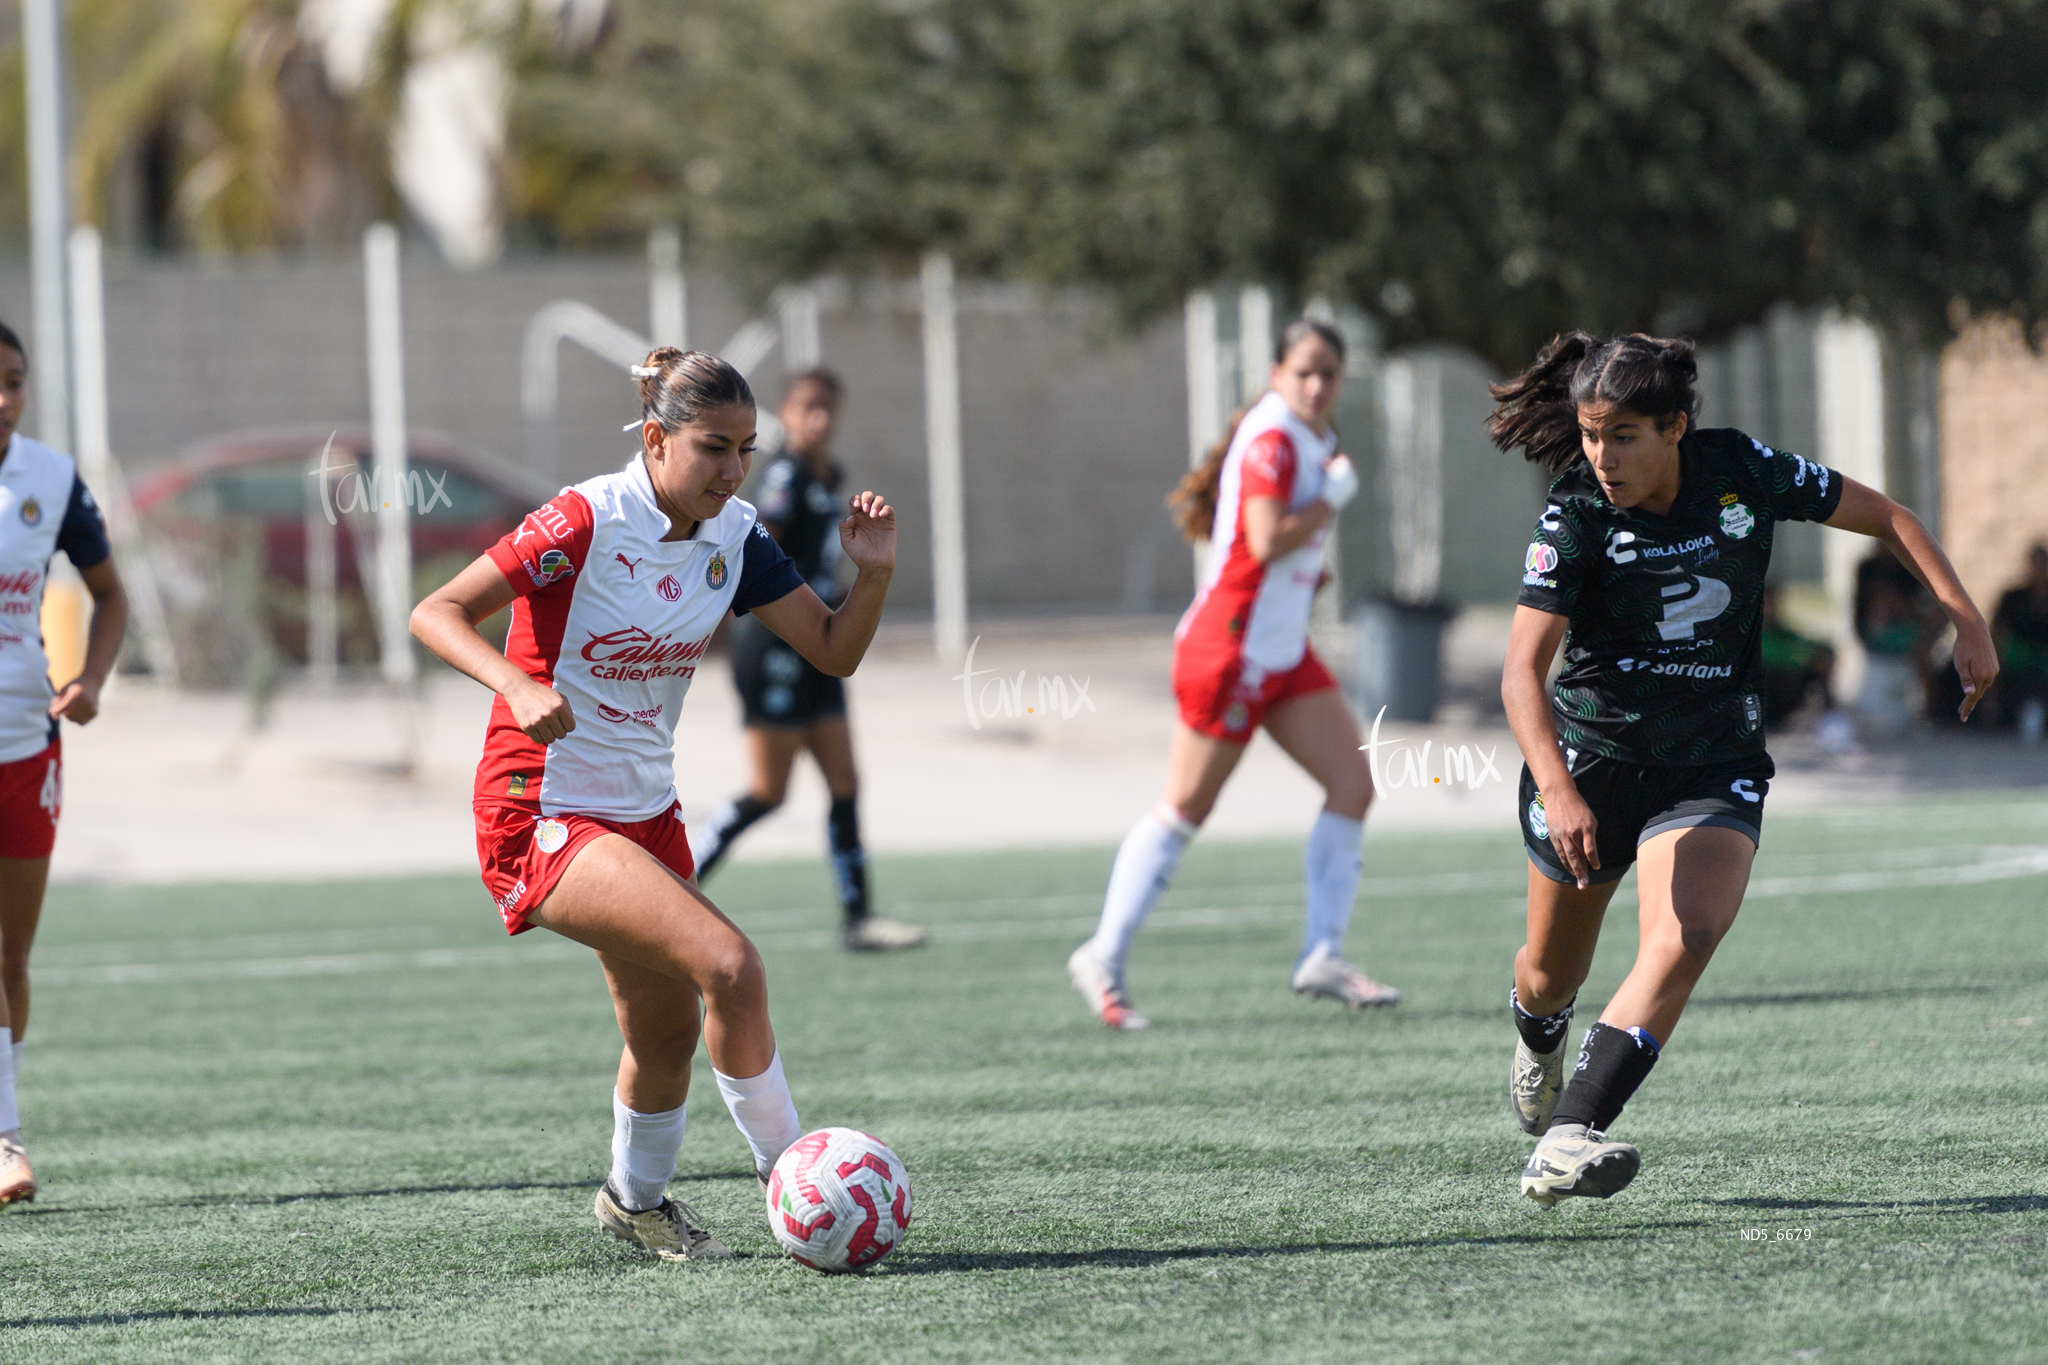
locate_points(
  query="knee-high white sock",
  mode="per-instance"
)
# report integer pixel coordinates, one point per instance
(1333, 864)
(20, 1046)
(763, 1110)
(10, 1117)
(644, 1148)
(1144, 868)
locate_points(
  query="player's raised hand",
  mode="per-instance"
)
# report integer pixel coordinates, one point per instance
(1976, 663)
(541, 712)
(868, 535)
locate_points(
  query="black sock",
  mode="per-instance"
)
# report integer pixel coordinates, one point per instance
(1542, 1032)
(727, 825)
(849, 861)
(1612, 1063)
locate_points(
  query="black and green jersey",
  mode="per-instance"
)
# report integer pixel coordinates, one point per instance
(1663, 658)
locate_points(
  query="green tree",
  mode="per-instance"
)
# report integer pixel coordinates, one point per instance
(1477, 171)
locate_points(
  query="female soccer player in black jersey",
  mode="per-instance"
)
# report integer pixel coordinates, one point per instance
(1648, 563)
(789, 704)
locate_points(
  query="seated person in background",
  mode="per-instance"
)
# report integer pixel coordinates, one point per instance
(2020, 627)
(1896, 632)
(1794, 667)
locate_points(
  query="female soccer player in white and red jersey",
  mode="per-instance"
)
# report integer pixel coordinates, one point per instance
(615, 587)
(1264, 500)
(44, 507)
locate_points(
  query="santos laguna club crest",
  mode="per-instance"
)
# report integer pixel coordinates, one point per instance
(714, 572)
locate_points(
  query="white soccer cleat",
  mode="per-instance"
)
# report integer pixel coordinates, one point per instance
(874, 934)
(670, 1229)
(1570, 1160)
(1103, 992)
(1325, 975)
(17, 1181)
(1535, 1083)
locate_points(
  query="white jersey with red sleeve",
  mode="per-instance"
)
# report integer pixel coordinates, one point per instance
(616, 620)
(1257, 612)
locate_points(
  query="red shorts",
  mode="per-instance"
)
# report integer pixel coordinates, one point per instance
(31, 795)
(523, 854)
(1215, 699)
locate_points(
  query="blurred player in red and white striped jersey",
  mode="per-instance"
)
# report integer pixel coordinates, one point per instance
(1264, 500)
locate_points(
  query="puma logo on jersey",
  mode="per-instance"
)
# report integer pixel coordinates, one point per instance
(631, 564)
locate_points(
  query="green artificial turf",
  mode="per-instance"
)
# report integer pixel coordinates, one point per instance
(353, 1122)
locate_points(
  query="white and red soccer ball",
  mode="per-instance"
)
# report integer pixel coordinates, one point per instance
(838, 1200)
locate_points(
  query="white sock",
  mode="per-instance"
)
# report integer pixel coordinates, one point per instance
(20, 1046)
(644, 1148)
(10, 1117)
(1144, 868)
(1333, 864)
(762, 1108)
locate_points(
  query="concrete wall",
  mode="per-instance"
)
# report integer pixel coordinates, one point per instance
(1994, 457)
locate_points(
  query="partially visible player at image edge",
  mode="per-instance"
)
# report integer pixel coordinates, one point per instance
(1649, 565)
(790, 705)
(578, 827)
(1264, 499)
(44, 508)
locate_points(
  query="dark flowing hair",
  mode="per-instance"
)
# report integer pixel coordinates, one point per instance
(1194, 500)
(8, 338)
(677, 386)
(1537, 411)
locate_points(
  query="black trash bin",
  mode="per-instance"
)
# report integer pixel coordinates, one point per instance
(1400, 657)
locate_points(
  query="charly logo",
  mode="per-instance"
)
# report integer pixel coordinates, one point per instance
(31, 511)
(1617, 547)
(1737, 521)
(714, 573)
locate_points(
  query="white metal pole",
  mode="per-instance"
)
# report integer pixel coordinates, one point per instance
(323, 629)
(668, 297)
(43, 55)
(95, 453)
(1851, 372)
(389, 489)
(1205, 390)
(943, 453)
(1254, 340)
(89, 359)
(797, 316)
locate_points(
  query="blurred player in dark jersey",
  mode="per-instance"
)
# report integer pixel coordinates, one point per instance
(791, 706)
(1648, 564)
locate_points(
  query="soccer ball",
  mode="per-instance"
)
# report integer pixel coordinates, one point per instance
(838, 1200)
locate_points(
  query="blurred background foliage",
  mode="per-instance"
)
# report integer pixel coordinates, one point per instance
(1471, 171)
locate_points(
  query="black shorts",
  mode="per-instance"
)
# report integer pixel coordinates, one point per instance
(778, 687)
(1634, 803)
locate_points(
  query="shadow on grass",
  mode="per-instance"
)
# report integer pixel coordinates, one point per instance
(211, 1201)
(181, 1315)
(1983, 1203)
(943, 1263)
(1833, 997)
